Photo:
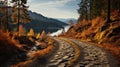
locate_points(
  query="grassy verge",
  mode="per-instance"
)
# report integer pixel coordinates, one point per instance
(37, 55)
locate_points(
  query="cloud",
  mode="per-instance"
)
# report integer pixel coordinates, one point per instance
(53, 3)
(55, 12)
(53, 8)
(57, 2)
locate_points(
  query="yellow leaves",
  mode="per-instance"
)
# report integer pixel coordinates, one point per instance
(49, 41)
(95, 21)
(96, 29)
(38, 36)
(31, 33)
(100, 35)
(77, 35)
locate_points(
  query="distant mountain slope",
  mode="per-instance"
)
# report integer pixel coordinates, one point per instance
(40, 23)
(66, 20)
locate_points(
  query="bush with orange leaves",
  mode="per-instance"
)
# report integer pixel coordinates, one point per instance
(48, 43)
(41, 53)
(8, 48)
(38, 55)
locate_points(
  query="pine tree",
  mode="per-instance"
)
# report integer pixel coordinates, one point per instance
(31, 33)
(71, 23)
(48, 34)
(3, 15)
(22, 30)
(83, 10)
(20, 13)
(108, 13)
(38, 36)
(90, 9)
(43, 35)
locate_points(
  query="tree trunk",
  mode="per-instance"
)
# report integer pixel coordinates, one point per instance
(18, 15)
(108, 16)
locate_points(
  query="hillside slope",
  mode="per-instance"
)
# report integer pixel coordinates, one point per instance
(98, 30)
(40, 23)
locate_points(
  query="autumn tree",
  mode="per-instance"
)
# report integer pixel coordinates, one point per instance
(97, 7)
(114, 4)
(20, 13)
(31, 33)
(43, 35)
(83, 10)
(22, 30)
(3, 15)
(48, 34)
(38, 36)
(71, 23)
(108, 13)
(90, 9)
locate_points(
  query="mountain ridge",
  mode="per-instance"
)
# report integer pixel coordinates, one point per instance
(40, 23)
(67, 20)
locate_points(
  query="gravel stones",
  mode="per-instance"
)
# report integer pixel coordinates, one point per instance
(92, 55)
(62, 56)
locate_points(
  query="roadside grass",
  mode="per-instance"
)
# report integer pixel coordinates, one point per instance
(37, 55)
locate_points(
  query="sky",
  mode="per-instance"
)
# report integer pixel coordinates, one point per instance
(55, 8)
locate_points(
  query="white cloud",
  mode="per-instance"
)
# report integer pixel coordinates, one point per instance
(57, 2)
(53, 3)
(51, 9)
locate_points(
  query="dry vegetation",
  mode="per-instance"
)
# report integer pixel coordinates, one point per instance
(12, 45)
(100, 32)
(37, 55)
(97, 30)
(8, 48)
(41, 53)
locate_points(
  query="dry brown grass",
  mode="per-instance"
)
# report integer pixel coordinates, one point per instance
(41, 53)
(34, 56)
(8, 47)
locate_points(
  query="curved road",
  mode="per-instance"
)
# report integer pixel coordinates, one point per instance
(65, 52)
(90, 55)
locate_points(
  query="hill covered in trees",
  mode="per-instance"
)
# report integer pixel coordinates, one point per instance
(98, 23)
(40, 23)
(12, 16)
(67, 20)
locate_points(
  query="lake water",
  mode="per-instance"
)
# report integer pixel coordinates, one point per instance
(66, 28)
